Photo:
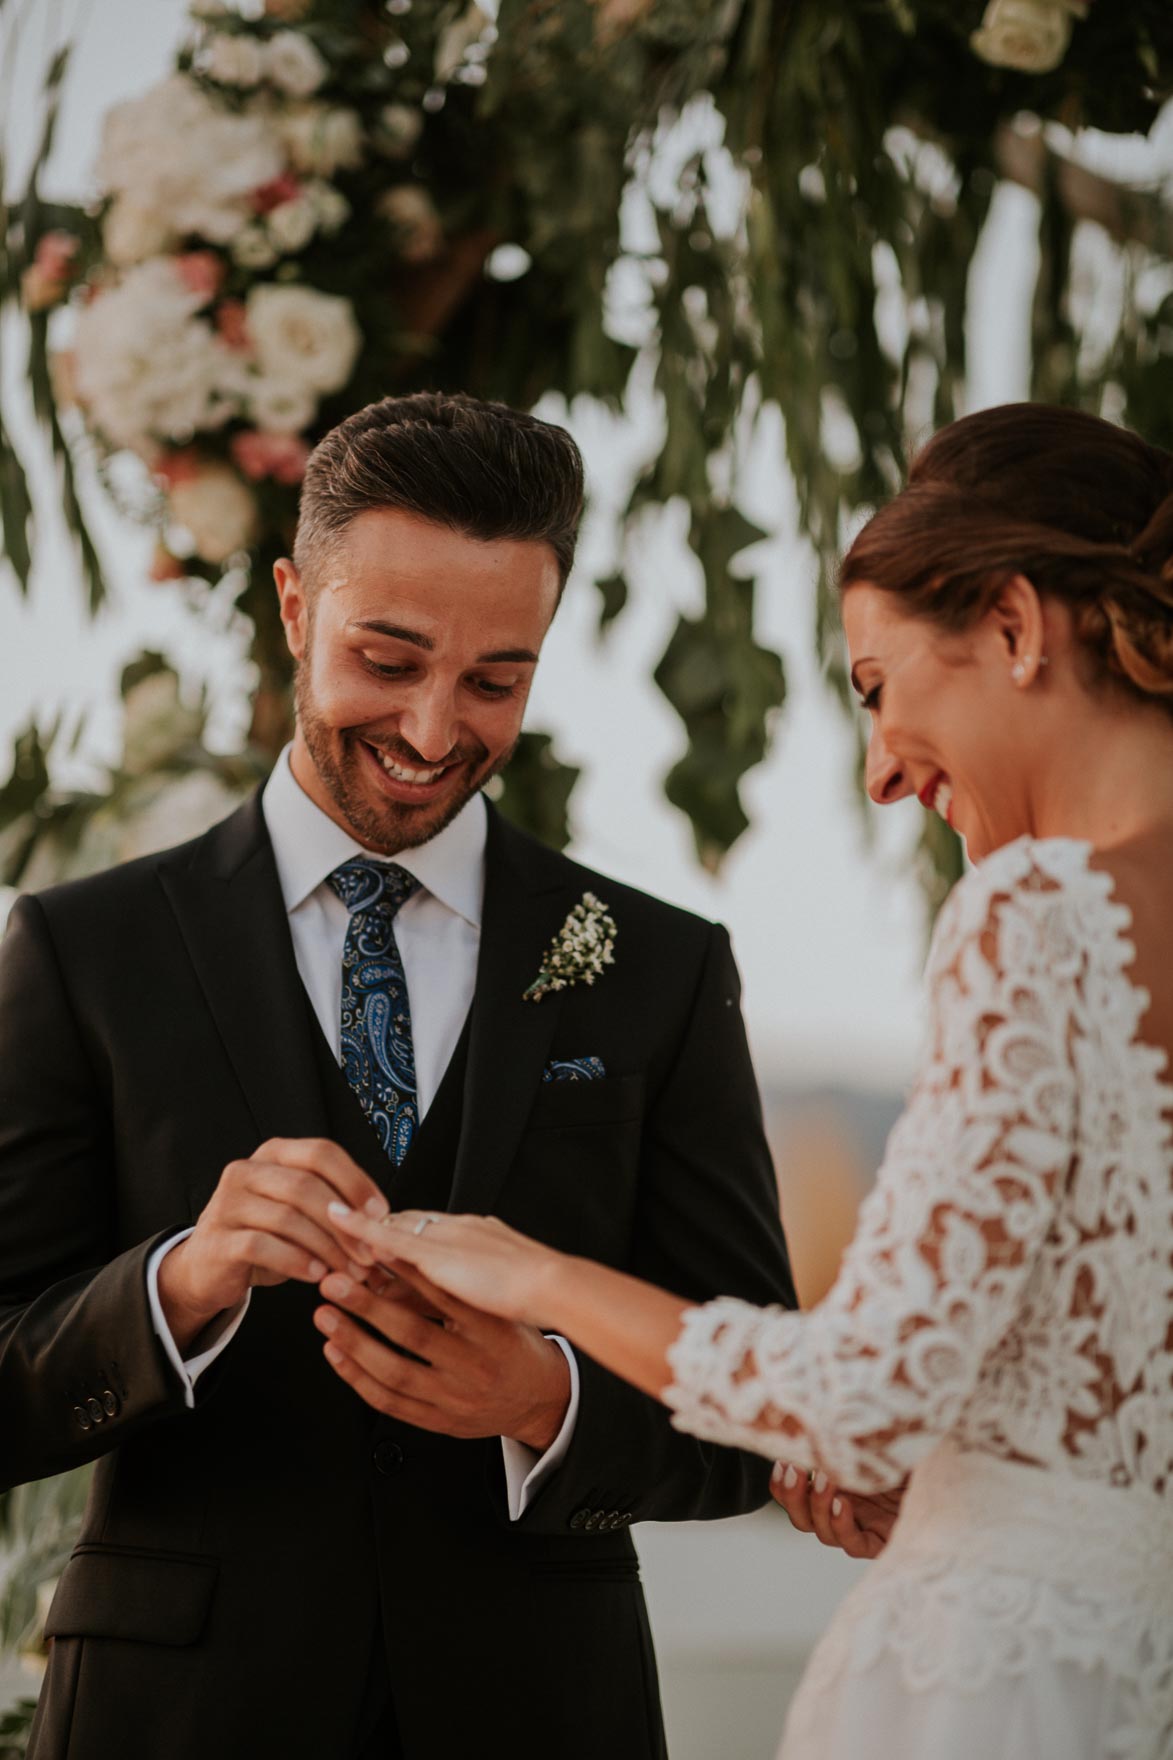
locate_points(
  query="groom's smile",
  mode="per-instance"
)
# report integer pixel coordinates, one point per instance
(415, 647)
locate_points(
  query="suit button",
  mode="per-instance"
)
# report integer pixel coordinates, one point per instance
(592, 1521)
(579, 1518)
(388, 1458)
(94, 1408)
(111, 1404)
(83, 1417)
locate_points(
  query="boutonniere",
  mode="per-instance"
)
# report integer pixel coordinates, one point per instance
(582, 947)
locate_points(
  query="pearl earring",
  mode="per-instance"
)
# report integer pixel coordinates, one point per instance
(1018, 671)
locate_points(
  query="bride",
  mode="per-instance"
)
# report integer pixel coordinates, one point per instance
(1002, 1324)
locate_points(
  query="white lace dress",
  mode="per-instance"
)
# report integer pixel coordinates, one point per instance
(1002, 1329)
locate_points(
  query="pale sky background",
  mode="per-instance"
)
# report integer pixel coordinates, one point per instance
(826, 918)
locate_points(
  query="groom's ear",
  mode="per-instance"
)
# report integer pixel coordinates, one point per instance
(294, 606)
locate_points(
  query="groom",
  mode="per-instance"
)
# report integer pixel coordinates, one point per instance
(327, 1548)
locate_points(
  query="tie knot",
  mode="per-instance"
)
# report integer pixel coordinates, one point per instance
(366, 885)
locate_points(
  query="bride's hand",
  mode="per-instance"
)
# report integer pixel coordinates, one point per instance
(853, 1522)
(477, 1259)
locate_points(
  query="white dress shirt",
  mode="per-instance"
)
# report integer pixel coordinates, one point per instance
(438, 933)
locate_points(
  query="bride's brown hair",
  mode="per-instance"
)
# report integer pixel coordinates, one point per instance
(1082, 508)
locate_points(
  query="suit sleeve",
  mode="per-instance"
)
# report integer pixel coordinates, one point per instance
(707, 1220)
(81, 1365)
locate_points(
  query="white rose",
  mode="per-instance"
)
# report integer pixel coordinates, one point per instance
(217, 510)
(131, 232)
(252, 248)
(1030, 36)
(400, 127)
(301, 335)
(234, 59)
(279, 406)
(321, 138)
(293, 64)
(292, 224)
(330, 205)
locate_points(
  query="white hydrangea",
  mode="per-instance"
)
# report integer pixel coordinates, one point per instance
(146, 367)
(186, 160)
(303, 336)
(322, 138)
(294, 65)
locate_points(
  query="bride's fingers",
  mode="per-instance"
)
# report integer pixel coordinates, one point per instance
(790, 1487)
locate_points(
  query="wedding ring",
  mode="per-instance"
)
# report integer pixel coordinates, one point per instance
(423, 1223)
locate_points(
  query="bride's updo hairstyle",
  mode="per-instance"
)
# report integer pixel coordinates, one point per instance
(1082, 508)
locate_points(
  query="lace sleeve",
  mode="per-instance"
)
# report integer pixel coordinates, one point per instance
(867, 1382)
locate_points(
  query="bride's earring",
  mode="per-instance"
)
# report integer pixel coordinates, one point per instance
(1019, 669)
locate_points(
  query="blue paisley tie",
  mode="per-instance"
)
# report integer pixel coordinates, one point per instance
(378, 1057)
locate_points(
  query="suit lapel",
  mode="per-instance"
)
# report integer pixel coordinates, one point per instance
(227, 899)
(510, 1038)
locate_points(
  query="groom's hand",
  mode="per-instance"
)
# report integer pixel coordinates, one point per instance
(266, 1222)
(474, 1375)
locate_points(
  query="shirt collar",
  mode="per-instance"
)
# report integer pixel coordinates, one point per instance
(308, 845)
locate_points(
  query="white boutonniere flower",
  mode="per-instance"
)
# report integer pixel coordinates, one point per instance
(582, 947)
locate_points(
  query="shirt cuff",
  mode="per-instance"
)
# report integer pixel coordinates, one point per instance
(525, 1470)
(188, 1369)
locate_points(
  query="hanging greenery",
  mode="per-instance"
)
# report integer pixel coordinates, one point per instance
(331, 199)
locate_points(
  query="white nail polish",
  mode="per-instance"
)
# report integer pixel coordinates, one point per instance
(375, 1208)
(336, 1208)
(820, 1483)
(790, 1479)
(836, 1506)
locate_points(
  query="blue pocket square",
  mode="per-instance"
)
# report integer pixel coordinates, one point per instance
(574, 1069)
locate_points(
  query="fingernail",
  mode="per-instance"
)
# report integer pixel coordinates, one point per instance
(820, 1483)
(337, 1286)
(777, 1473)
(326, 1320)
(376, 1207)
(331, 1353)
(337, 1208)
(836, 1506)
(790, 1478)
(358, 1272)
(317, 1269)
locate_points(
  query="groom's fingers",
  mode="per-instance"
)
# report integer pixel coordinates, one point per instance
(332, 1164)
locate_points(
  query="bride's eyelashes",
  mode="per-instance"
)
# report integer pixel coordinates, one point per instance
(871, 702)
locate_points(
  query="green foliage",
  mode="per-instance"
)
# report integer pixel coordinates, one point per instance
(535, 789)
(863, 142)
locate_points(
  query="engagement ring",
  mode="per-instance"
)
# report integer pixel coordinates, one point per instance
(423, 1223)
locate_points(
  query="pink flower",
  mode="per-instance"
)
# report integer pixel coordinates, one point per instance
(201, 272)
(268, 196)
(231, 323)
(164, 566)
(280, 456)
(55, 253)
(182, 465)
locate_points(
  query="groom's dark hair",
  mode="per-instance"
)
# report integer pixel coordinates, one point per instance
(479, 468)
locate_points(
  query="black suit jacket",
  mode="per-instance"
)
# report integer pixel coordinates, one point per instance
(236, 1558)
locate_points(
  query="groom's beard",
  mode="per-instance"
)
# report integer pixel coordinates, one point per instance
(382, 825)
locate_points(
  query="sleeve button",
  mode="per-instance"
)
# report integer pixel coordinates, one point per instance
(578, 1519)
(94, 1408)
(83, 1417)
(111, 1404)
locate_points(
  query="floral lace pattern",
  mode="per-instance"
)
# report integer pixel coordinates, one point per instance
(1006, 1304)
(1010, 1284)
